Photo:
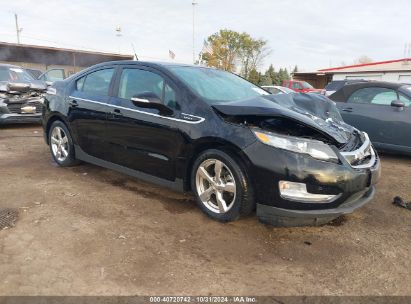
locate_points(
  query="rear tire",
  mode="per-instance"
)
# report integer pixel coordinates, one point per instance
(222, 188)
(61, 145)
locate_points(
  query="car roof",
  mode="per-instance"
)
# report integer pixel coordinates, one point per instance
(9, 65)
(343, 93)
(147, 63)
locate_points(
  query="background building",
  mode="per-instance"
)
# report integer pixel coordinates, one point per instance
(392, 70)
(44, 58)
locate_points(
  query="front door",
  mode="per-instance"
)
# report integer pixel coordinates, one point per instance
(369, 109)
(141, 138)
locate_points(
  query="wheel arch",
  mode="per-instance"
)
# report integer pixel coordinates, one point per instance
(209, 143)
(52, 118)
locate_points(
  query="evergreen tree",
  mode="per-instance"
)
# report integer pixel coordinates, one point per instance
(254, 77)
(265, 80)
(295, 69)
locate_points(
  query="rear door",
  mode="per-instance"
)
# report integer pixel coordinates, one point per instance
(89, 103)
(369, 109)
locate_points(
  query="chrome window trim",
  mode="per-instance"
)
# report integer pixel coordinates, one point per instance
(363, 151)
(201, 119)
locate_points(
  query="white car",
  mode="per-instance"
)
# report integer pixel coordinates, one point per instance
(278, 90)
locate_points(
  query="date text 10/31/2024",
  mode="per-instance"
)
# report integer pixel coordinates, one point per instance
(202, 299)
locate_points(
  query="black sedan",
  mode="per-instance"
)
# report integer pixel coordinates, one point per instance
(382, 109)
(213, 133)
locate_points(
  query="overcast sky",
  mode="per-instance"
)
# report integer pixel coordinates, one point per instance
(312, 34)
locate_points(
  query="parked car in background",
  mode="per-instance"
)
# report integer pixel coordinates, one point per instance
(278, 90)
(300, 86)
(382, 109)
(21, 95)
(335, 85)
(52, 75)
(33, 72)
(15, 73)
(209, 131)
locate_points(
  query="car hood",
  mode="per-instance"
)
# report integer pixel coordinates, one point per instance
(22, 86)
(313, 110)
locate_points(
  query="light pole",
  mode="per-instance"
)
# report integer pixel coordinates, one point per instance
(194, 3)
(18, 29)
(118, 30)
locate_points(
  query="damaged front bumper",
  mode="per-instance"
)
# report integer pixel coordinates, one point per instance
(19, 118)
(292, 218)
(345, 185)
(19, 113)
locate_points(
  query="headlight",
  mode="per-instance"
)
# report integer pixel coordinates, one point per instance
(315, 148)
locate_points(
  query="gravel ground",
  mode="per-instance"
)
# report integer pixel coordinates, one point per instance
(90, 231)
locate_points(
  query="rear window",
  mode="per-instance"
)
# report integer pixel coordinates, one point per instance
(334, 85)
(306, 85)
(97, 82)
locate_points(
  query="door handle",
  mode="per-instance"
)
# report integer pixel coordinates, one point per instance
(73, 103)
(117, 112)
(347, 109)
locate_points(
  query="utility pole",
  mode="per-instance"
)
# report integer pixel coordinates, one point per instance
(118, 30)
(194, 3)
(18, 29)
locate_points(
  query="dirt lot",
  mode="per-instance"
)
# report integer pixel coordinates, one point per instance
(91, 231)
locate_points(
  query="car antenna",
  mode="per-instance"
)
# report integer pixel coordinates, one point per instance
(134, 50)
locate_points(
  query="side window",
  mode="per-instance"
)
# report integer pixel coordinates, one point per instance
(97, 83)
(170, 97)
(375, 95)
(134, 82)
(80, 83)
(296, 85)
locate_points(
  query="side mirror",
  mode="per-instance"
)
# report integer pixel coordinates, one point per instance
(397, 104)
(152, 101)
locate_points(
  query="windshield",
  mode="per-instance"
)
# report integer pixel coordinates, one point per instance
(217, 86)
(306, 85)
(14, 74)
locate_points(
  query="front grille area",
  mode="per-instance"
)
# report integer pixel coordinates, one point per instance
(15, 107)
(354, 143)
(363, 156)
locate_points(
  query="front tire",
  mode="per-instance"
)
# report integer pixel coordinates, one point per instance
(61, 145)
(221, 186)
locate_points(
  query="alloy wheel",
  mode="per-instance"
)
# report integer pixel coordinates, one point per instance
(215, 185)
(59, 144)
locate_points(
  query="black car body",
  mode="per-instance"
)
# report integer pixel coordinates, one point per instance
(382, 109)
(335, 85)
(172, 135)
(21, 96)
